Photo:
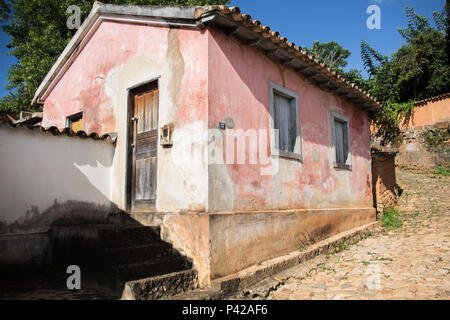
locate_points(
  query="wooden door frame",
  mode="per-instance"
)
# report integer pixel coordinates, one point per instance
(131, 92)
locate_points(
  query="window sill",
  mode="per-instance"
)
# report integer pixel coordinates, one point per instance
(290, 155)
(343, 166)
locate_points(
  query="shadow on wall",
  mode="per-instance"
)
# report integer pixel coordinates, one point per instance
(52, 178)
(49, 180)
(57, 211)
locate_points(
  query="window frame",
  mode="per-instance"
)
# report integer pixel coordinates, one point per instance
(275, 151)
(341, 118)
(70, 119)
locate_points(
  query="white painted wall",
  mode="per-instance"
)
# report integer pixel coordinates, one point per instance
(38, 169)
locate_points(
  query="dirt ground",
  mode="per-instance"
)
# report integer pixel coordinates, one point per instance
(411, 262)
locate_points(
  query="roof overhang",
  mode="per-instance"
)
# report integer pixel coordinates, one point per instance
(230, 19)
(253, 33)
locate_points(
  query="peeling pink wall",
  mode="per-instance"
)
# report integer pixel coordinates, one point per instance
(214, 75)
(123, 55)
(83, 87)
(239, 88)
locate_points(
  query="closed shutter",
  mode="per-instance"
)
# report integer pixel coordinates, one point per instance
(341, 144)
(285, 122)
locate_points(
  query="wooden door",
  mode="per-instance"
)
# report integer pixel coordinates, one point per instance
(144, 147)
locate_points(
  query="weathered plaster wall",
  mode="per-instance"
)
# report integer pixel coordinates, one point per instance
(239, 240)
(120, 56)
(239, 89)
(385, 190)
(255, 217)
(430, 113)
(205, 77)
(190, 235)
(46, 178)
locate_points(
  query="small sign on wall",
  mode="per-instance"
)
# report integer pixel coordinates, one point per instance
(166, 136)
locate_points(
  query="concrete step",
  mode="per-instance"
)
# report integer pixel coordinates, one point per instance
(134, 254)
(161, 287)
(127, 235)
(151, 268)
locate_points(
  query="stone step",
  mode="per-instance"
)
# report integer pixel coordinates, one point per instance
(134, 254)
(151, 268)
(127, 235)
(199, 295)
(161, 287)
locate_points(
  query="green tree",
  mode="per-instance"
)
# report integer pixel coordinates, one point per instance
(418, 70)
(335, 56)
(371, 58)
(39, 34)
(331, 53)
(4, 10)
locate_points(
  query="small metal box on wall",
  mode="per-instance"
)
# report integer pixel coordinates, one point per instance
(166, 136)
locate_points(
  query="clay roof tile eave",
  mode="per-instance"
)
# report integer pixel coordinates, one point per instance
(284, 43)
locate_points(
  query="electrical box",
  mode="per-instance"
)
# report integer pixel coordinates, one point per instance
(166, 136)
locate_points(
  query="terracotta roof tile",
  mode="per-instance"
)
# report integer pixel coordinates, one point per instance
(436, 98)
(235, 14)
(66, 131)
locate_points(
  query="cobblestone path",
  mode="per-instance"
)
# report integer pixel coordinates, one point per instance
(412, 262)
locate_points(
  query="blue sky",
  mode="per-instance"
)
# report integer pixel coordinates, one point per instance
(304, 21)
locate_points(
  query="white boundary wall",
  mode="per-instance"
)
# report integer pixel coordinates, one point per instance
(40, 171)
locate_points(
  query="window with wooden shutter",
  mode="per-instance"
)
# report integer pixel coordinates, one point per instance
(285, 122)
(341, 137)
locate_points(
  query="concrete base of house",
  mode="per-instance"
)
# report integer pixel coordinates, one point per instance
(257, 277)
(220, 244)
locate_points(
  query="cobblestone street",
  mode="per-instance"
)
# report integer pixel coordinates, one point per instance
(412, 262)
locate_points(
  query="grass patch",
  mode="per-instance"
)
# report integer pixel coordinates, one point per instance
(301, 247)
(383, 259)
(441, 171)
(390, 219)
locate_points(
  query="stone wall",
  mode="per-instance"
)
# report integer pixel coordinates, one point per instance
(425, 148)
(426, 135)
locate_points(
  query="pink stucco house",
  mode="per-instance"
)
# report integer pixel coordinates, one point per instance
(235, 141)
